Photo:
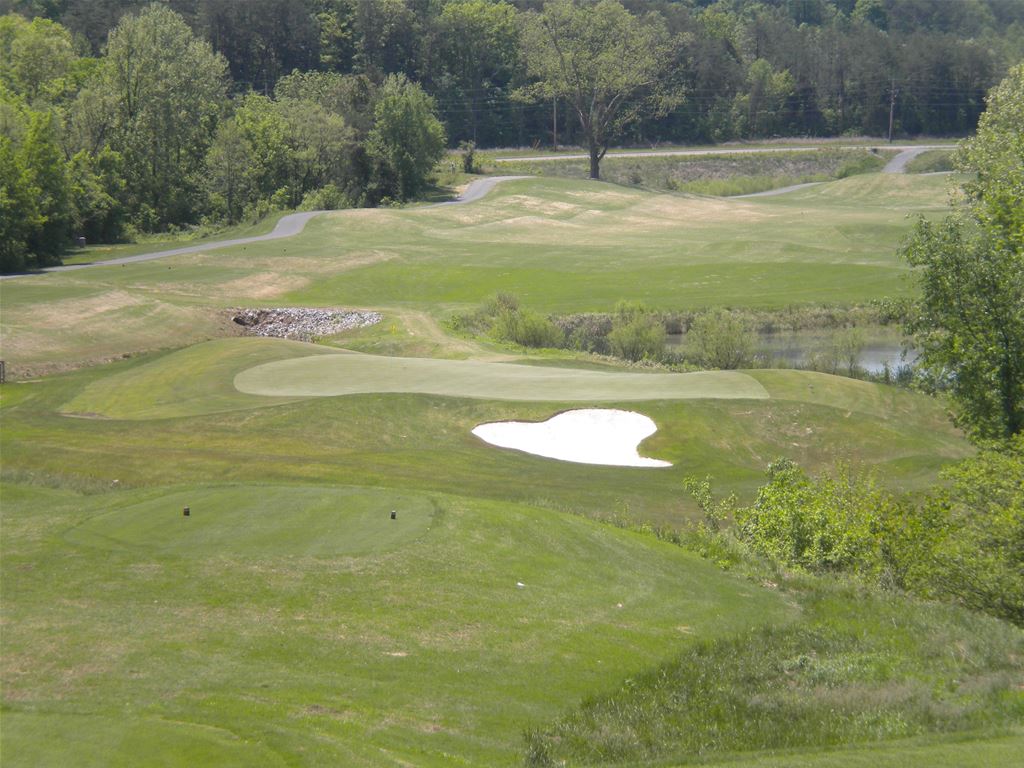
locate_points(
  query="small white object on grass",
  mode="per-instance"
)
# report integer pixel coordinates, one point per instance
(520, 584)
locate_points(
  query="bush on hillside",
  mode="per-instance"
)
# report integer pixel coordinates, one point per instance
(963, 543)
(526, 328)
(722, 340)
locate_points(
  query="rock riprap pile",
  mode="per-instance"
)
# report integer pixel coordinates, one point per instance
(302, 323)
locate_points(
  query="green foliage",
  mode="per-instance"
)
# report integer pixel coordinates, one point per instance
(636, 334)
(229, 171)
(720, 339)
(526, 328)
(996, 155)
(609, 65)
(326, 198)
(829, 524)
(962, 542)
(407, 139)
(44, 165)
(97, 184)
(977, 557)
(163, 90)
(477, 42)
(36, 58)
(19, 212)
(969, 322)
(858, 667)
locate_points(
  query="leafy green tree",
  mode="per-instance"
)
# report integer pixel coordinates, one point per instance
(263, 127)
(407, 138)
(721, 340)
(97, 185)
(323, 147)
(969, 321)
(608, 64)
(166, 89)
(43, 161)
(823, 524)
(19, 214)
(478, 45)
(350, 96)
(387, 34)
(228, 165)
(977, 557)
(996, 155)
(759, 109)
(37, 57)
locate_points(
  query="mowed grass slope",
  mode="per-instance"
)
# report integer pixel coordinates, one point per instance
(131, 639)
(560, 245)
(147, 422)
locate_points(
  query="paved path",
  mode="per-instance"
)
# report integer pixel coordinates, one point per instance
(711, 152)
(779, 191)
(293, 223)
(479, 188)
(287, 226)
(899, 163)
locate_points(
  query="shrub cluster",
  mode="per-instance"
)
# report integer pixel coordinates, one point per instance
(964, 542)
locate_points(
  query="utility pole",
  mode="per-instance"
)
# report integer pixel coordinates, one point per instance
(554, 121)
(892, 106)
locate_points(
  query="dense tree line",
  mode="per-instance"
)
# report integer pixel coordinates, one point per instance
(749, 67)
(146, 137)
(121, 115)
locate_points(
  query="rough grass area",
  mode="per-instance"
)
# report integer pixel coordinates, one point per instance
(932, 161)
(859, 668)
(560, 245)
(715, 175)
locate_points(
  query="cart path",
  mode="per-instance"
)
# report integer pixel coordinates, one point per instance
(288, 226)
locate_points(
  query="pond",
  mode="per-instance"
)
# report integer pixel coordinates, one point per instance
(796, 349)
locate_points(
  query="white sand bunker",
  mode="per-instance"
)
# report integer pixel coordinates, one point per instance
(586, 436)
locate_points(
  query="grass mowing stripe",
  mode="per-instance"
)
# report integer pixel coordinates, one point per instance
(430, 652)
(349, 374)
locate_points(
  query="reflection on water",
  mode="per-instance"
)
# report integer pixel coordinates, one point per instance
(796, 349)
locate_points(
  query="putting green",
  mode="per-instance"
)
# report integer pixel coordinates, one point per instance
(350, 374)
(262, 520)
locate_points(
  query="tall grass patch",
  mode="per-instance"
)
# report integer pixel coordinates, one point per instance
(721, 175)
(860, 667)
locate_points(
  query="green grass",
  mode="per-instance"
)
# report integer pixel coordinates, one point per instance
(260, 522)
(289, 621)
(165, 241)
(189, 382)
(135, 432)
(342, 374)
(423, 651)
(960, 751)
(720, 174)
(860, 668)
(562, 246)
(932, 161)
